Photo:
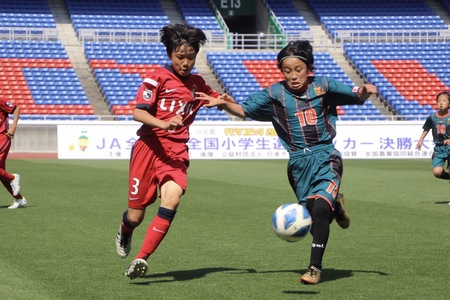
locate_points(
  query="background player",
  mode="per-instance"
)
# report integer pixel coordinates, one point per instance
(439, 124)
(302, 109)
(10, 181)
(159, 160)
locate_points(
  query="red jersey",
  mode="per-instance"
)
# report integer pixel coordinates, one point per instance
(6, 108)
(164, 95)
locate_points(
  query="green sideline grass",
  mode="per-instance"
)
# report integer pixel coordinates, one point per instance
(221, 244)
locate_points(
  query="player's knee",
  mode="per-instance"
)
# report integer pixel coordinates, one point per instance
(437, 171)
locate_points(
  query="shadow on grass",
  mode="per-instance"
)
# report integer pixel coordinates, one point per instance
(327, 275)
(189, 274)
(442, 202)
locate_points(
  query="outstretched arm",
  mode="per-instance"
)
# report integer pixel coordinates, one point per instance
(366, 90)
(224, 102)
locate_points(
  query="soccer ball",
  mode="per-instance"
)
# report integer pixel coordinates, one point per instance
(291, 222)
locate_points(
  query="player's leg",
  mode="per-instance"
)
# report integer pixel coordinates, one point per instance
(142, 191)
(320, 214)
(438, 161)
(171, 194)
(10, 181)
(341, 215)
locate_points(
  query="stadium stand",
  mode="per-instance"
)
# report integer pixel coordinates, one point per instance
(408, 75)
(198, 13)
(39, 77)
(376, 15)
(40, 71)
(25, 13)
(288, 16)
(116, 14)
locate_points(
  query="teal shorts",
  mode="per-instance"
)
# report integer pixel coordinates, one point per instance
(441, 155)
(316, 173)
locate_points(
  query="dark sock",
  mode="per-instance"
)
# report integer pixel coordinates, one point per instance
(444, 175)
(321, 231)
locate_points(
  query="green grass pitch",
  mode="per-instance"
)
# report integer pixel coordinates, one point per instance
(221, 244)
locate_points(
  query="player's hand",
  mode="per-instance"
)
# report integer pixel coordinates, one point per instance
(173, 123)
(419, 146)
(210, 101)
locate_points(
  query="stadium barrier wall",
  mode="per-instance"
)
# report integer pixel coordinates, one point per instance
(218, 140)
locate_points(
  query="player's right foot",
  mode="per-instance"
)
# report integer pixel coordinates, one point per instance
(15, 184)
(18, 203)
(312, 276)
(137, 268)
(343, 219)
(123, 244)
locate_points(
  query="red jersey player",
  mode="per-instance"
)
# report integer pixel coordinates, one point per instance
(166, 107)
(10, 181)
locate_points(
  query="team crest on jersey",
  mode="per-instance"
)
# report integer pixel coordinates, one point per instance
(9, 104)
(319, 91)
(147, 94)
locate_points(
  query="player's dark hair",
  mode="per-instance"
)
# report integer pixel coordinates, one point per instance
(176, 35)
(302, 50)
(443, 93)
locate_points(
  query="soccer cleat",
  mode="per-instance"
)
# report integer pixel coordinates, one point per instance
(312, 276)
(15, 184)
(343, 219)
(123, 244)
(137, 268)
(18, 203)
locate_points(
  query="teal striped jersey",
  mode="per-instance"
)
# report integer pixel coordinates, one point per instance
(306, 120)
(439, 126)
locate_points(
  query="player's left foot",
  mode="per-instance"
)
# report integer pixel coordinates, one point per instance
(15, 185)
(343, 219)
(18, 203)
(137, 268)
(312, 276)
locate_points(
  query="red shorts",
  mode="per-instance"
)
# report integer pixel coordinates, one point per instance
(154, 162)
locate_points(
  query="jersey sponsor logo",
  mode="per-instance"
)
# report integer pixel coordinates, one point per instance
(147, 94)
(133, 198)
(170, 91)
(158, 230)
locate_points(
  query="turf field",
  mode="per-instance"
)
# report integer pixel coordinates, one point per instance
(221, 244)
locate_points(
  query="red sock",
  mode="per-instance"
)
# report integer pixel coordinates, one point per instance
(155, 234)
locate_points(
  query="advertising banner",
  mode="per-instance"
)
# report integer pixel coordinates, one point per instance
(245, 140)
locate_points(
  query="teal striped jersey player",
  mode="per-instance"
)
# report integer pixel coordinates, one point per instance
(306, 120)
(439, 126)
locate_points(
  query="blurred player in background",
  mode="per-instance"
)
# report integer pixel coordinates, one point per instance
(166, 107)
(10, 181)
(439, 124)
(302, 109)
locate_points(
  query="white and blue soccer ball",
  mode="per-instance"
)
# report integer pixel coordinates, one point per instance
(291, 222)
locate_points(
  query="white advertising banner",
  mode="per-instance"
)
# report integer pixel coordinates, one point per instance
(245, 140)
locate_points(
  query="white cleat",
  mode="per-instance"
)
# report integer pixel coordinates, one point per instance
(137, 268)
(18, 203)
(123, 244)
(15, 185)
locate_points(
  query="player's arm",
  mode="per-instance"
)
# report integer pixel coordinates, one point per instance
(12, 129)
(224, 102)
(365, 91)
(143, 116)
(422, 137)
